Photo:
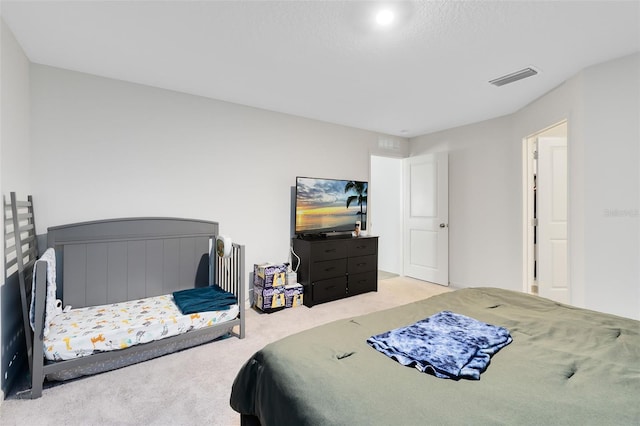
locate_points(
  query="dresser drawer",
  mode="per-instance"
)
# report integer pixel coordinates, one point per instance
(327, 250)
(331, 289)
(362, 264)
(362, 246)
(328, 269)
(361, 283)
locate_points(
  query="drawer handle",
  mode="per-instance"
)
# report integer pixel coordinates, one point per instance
(361, 264)
(330, 269)
(329, 250)
(329, 288)
(361, 247)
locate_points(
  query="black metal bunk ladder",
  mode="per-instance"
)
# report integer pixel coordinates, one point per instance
(21, 252)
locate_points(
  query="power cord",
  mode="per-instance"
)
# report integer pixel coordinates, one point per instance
(297, 257)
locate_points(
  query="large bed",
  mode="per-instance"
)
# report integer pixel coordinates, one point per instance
(565, 365)
(128, 290)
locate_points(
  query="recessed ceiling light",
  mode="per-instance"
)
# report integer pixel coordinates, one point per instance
(384, 17)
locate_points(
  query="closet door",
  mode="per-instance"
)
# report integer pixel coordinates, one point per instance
(551, 191)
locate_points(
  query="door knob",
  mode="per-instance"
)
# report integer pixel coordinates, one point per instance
(442, 225)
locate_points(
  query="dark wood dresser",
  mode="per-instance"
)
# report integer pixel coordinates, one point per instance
(334, 268)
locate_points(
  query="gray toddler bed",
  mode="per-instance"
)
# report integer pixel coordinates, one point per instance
(111, 261)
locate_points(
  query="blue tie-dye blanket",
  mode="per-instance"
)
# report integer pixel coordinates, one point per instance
(448, 345)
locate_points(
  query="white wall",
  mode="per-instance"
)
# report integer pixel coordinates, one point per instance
(612, 194)
(105, 148)
(14, 159)
(14, 131)
(602, 107)
(385, 200)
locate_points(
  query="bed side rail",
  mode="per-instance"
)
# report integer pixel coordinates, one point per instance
(37, 361)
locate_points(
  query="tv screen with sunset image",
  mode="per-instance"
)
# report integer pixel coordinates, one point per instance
(330, 205)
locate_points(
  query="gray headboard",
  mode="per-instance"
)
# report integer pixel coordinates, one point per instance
(115, 260)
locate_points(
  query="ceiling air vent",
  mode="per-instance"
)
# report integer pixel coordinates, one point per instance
(514, 76)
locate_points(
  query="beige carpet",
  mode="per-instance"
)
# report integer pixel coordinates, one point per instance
(384, 275)
(193, 386)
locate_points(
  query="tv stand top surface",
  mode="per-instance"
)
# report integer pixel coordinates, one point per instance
(328, 236)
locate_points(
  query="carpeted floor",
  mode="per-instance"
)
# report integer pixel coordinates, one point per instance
(384, 275)
(193, 386)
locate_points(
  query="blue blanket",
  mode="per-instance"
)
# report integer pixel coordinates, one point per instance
(205, 299)
(448, 345)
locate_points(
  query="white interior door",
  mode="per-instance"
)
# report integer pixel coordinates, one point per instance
(426, 218)
(552, 257)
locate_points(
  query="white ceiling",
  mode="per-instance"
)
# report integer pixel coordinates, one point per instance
(327, 60)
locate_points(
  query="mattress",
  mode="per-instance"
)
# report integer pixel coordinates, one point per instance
(84, 331)
(564, 366)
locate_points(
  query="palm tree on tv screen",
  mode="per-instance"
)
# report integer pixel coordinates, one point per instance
(360, 188)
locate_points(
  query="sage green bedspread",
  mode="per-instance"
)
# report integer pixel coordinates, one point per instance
(565, 366)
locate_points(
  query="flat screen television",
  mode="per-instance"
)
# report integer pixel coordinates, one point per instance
(325, 206)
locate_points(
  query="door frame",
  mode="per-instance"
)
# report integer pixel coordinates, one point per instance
(372, 209)
(528, 251)
(528, 170)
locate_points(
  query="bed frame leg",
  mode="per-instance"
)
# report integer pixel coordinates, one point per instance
(249, 420)
(242, 324)
(36, 391)
(242, 290)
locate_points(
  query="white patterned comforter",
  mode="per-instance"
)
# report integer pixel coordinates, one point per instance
(81, 332)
